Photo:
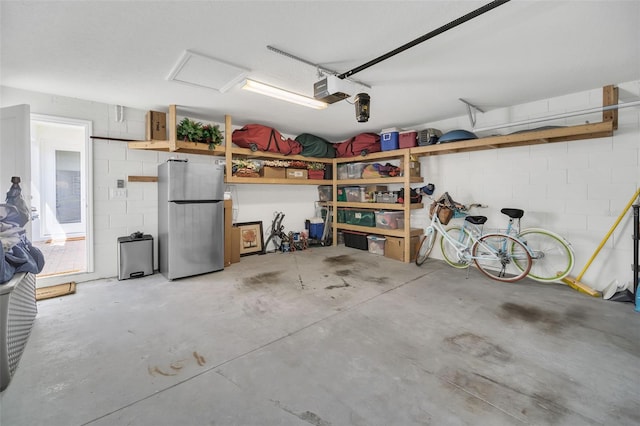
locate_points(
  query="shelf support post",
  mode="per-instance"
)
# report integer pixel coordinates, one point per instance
(610, 98)
(227, 147)
(173, 129)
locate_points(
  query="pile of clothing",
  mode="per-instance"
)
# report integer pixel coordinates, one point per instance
(18, 254)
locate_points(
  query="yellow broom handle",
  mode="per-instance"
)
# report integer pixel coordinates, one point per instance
(606, 237)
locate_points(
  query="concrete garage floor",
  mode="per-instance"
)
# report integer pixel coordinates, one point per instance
(328, 336)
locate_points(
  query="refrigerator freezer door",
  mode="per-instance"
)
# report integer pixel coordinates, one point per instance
(194, 241)
(187, 181)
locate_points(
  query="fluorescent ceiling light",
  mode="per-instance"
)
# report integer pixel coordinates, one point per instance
(275, 92)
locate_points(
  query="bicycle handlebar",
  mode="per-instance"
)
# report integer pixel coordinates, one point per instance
(461, 207)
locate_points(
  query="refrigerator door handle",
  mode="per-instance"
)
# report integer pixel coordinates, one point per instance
(195, 201)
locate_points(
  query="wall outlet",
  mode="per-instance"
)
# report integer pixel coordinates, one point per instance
(118, 194)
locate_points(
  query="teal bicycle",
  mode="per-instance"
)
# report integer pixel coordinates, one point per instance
(552, 255)
(497, 255)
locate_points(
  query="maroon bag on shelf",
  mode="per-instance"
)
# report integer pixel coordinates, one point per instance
(362, 144)
(258, 137)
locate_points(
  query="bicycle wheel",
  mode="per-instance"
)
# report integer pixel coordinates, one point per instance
(552, 256)
(425, 246)
(449, 252)
(495, 256)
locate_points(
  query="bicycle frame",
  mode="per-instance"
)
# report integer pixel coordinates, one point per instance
(513, 230)
(469, 237)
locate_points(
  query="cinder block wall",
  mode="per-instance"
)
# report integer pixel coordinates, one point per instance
(577, 189)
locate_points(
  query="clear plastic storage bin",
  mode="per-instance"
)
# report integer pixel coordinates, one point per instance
(353, 194)
(376, 244)
(325, 193)
(390, 220)
(354, 170)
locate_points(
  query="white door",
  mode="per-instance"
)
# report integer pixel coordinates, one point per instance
(15, 152)
(62, 190)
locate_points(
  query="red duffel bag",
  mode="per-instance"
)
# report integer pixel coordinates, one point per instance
(362, 144)
(258, 137)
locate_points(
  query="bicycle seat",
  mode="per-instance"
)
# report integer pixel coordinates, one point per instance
(476, 220)
(513, 213)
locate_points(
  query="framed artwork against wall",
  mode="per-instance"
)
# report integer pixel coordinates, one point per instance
(251, 239)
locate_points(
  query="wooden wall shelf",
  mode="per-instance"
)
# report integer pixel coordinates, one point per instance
(380, 231)
(377, 206)
(247, 153)
(272, 181)
(175, 145)
(561, 134)
(142, 178)
(179, 146)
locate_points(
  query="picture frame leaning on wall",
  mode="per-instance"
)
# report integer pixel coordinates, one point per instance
(251, 238)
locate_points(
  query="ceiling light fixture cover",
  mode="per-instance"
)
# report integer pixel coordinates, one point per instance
(203, 71)
(285, 95)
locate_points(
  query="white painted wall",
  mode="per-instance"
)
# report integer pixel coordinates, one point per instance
(576, 188)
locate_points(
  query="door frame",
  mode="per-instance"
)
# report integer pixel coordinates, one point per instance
(88, 186)
(15, 149)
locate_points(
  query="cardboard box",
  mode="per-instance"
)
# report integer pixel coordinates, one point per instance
(235, 244)
(156, 126)
(273, 172)
(297, 173)
(414, 168)
(394, 248)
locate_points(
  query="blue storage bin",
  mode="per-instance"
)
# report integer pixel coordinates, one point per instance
(316, 228)
(389, 140)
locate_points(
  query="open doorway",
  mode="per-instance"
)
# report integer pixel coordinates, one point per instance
(60, 170)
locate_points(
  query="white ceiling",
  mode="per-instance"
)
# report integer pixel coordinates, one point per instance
(121, 52)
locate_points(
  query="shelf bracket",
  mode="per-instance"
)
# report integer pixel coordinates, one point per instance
(471, 111)
(609, 99)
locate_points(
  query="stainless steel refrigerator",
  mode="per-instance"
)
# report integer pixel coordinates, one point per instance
(190, 218)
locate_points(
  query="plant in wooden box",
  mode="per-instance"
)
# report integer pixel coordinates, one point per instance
(316, 170)
(246, 168)
(212, 135)
(194, 131)
(189, 130)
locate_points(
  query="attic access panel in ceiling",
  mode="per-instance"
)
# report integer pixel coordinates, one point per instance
(203, 71)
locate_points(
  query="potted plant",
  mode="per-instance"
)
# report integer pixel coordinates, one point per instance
(189, 130)
(316, 170)
(194, 131)
(212, 135)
